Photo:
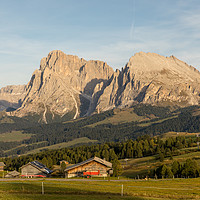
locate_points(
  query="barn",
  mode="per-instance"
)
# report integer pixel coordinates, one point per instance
(35, 169)
(13, 174)
(92, 167)
(2, 165)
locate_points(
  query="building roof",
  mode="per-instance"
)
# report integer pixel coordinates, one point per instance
(39, 166)
(99, 160)
(13, 173)
(2, 164)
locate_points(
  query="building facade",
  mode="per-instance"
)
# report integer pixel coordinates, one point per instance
(92, 167)
(35, 169)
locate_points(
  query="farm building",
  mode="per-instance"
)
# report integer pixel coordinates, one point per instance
(2, 165)
(91, 167)
(13, 174)
(35, 169)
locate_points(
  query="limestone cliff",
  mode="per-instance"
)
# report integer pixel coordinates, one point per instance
(63, 84)
(154, 79)
(68, 84)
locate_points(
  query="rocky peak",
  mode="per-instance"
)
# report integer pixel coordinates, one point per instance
(63, 84)
(155, 79)
(68, 84)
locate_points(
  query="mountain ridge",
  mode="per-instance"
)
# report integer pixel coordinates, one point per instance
(68, 84)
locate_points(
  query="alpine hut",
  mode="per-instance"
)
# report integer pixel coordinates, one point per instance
(13, 174)
(91, 167)
(35, 169)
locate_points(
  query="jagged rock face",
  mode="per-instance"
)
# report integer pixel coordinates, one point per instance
(63, 84)
(151, 78)
(11, 96)
(67, 84)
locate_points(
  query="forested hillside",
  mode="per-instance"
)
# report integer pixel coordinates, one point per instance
(157, 120)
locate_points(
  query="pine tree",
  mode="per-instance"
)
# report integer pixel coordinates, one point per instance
(168, 173)
(117, 168)
(190, 168)
(176, 168)
(63, 167)
(163, 171)
(161, 157)
(45, 161)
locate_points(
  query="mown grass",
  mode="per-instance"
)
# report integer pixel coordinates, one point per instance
(138, 190)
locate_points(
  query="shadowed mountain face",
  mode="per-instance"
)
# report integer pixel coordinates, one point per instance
(67, 84)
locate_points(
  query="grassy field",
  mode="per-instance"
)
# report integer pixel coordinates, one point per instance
(86, 189)
(83, 140)
(120, 116)
(14, 136)
(158, 121)
(175, 134)
(144, 166)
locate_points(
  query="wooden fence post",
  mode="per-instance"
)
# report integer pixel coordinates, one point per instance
(122, 190)
(42, 188)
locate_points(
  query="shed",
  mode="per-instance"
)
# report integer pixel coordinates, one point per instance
(91, 167)
(13, 174)
(35, 169)
(2, 165)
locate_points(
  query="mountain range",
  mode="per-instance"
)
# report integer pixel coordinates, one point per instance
(67, 86)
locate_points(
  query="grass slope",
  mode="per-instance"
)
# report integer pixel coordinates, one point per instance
(142, 167)
(121, 116)
(74, 142)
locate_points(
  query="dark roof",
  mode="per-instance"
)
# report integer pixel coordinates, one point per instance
(99, 160)
(39, 166)
(2, 164)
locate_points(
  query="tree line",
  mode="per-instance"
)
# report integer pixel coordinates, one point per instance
(189, 169)
(112, 151)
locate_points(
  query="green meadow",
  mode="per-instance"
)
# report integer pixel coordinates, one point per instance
(102, 189)
(14, 136)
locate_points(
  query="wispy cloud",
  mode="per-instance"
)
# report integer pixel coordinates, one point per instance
(164, 27)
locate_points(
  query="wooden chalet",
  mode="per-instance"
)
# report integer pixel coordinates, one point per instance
(2, 165)
(91, 167)
(13, 174)
(35, 169)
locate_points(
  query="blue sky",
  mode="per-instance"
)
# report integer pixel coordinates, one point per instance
(108, 30)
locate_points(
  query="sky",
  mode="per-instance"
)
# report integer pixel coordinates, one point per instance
(107, 30)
